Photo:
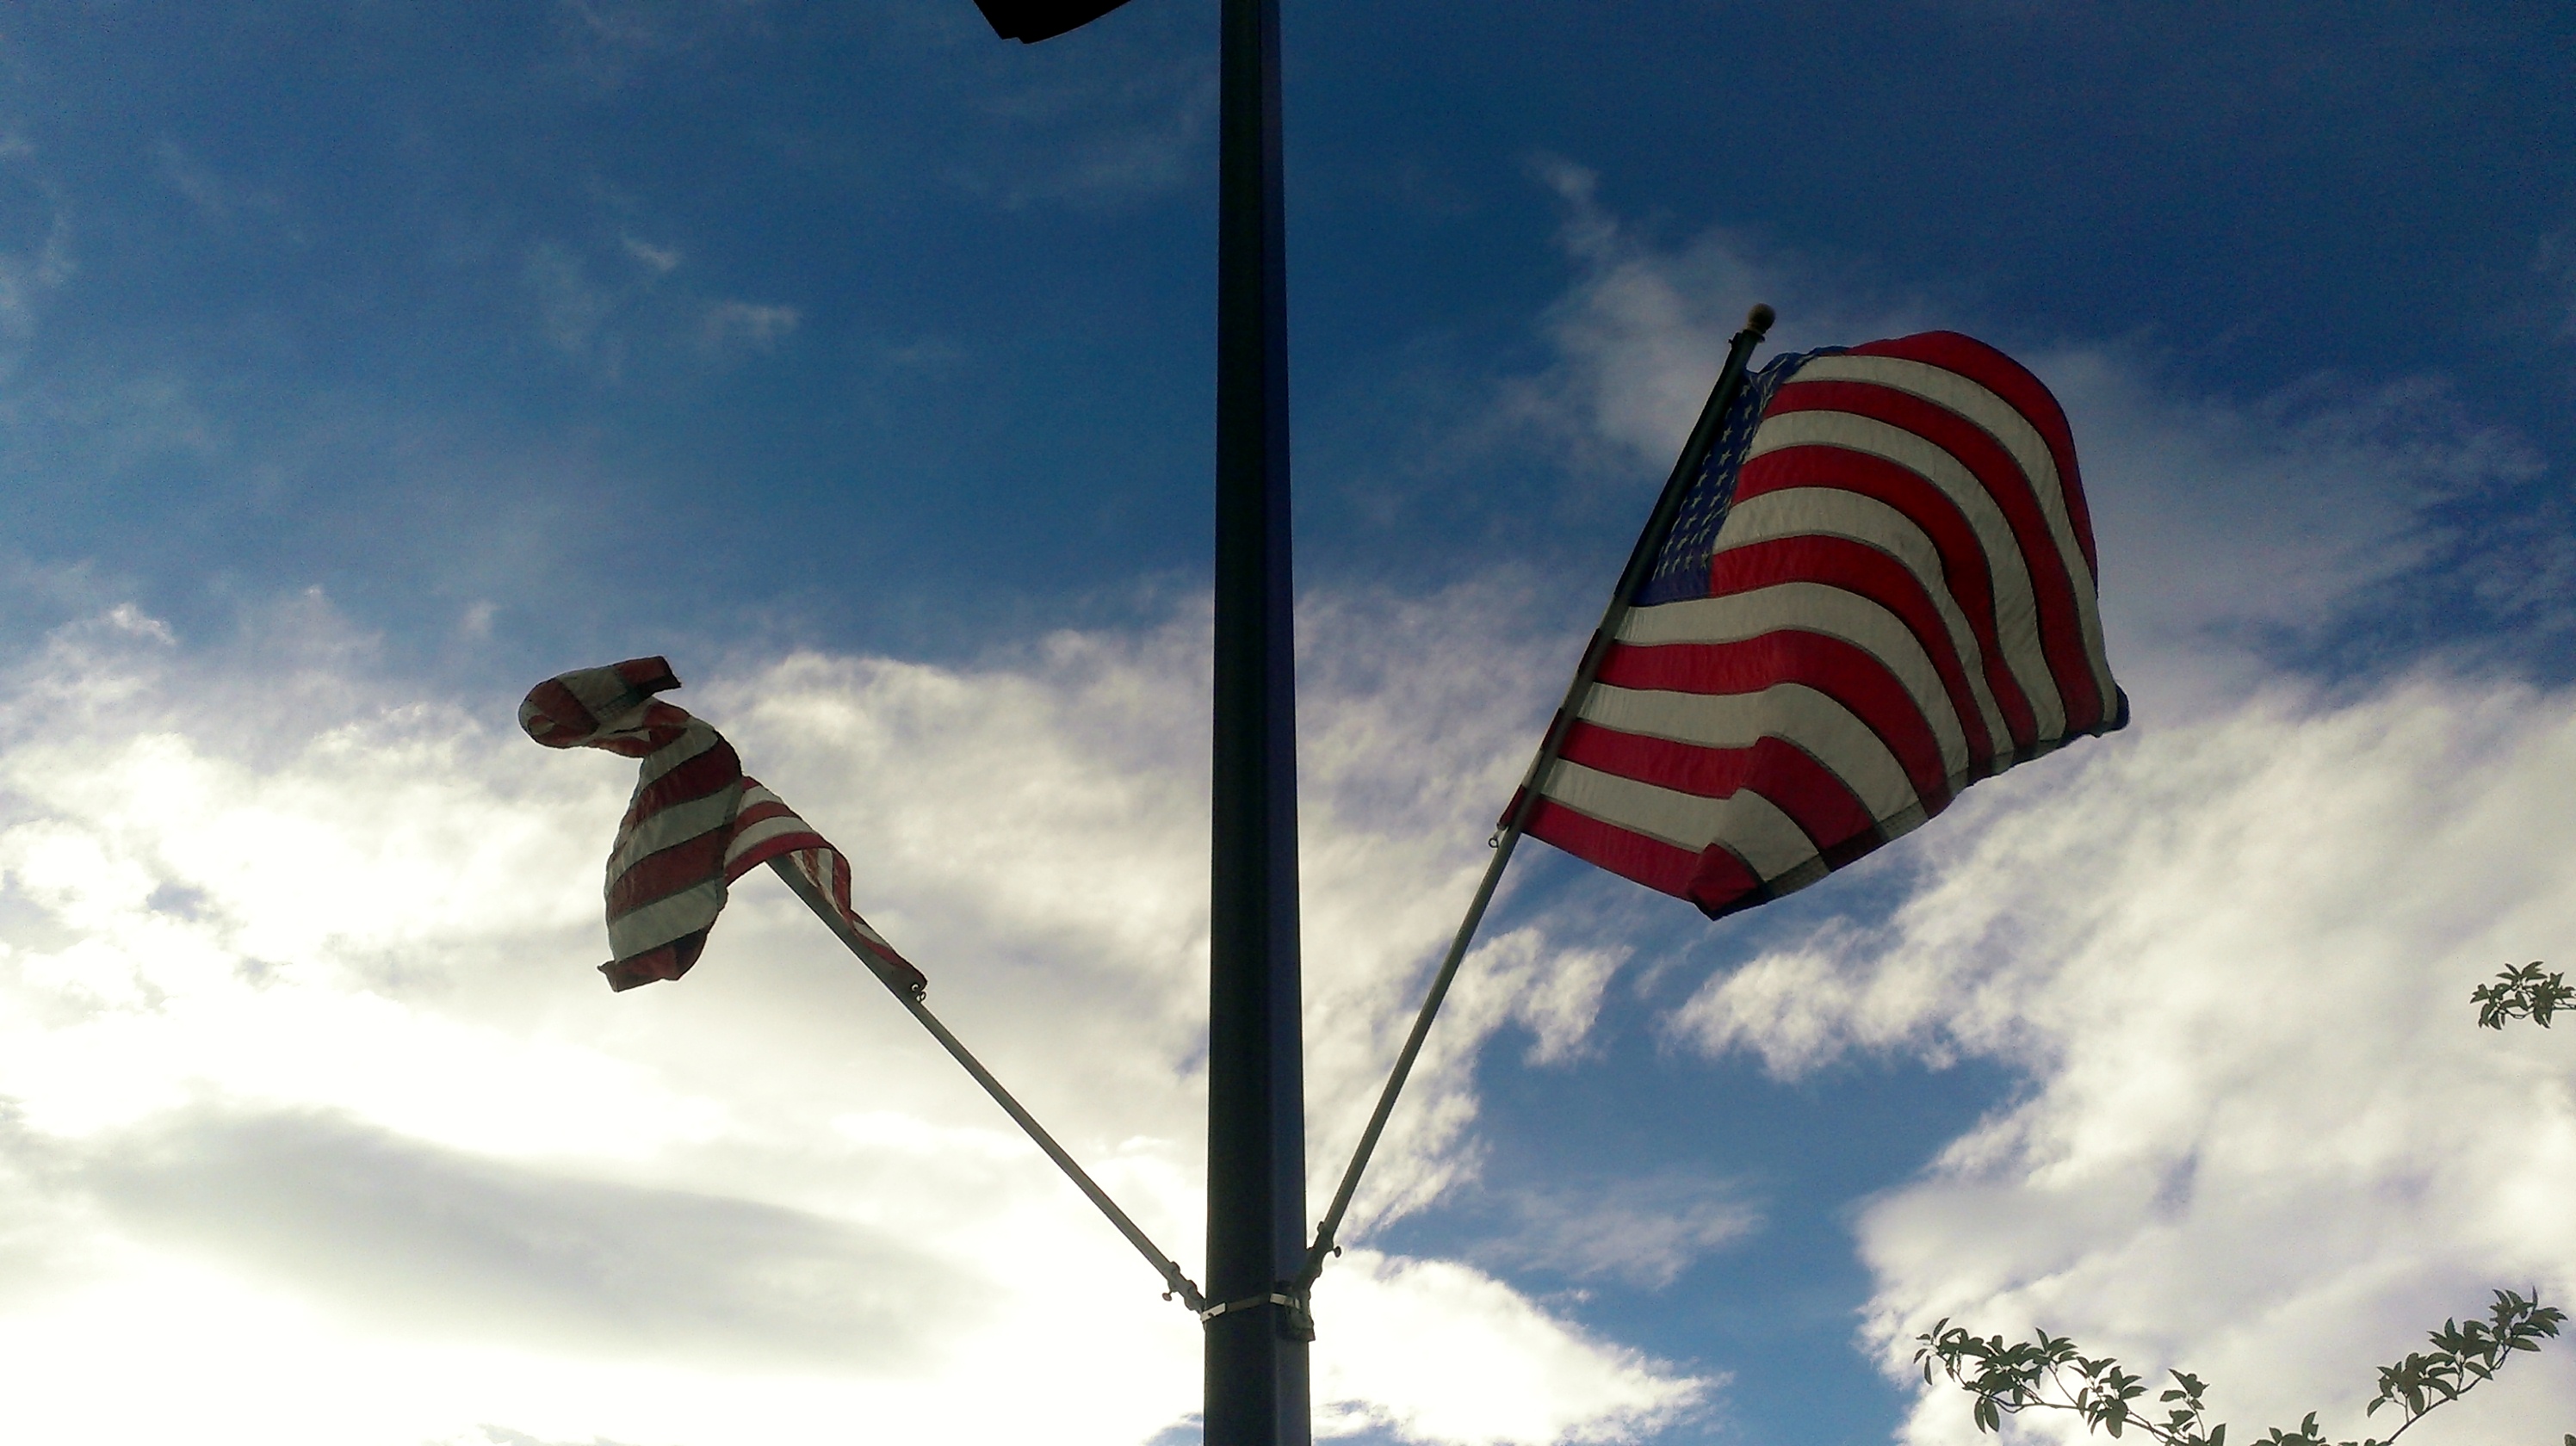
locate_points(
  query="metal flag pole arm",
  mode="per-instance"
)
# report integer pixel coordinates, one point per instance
(908, 994)
(1686, 470)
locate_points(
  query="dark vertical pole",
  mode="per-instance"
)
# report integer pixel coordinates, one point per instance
(1256, 1357)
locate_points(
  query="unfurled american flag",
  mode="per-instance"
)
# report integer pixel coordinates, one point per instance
(1879, 590)
(695, 825)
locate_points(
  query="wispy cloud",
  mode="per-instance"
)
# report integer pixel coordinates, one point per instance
(660, 260)
(1643, 1231)
(1116, 119)
(608, 42)
(615, 318)
(416, 1240)
(220, 200)
(1640, 334)
(733, 327)
(1424, 1352)
(27, 273)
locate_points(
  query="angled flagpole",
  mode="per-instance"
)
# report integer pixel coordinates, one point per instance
(1686, 470)
(907, 991)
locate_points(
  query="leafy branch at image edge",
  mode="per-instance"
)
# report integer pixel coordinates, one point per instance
(2046, 1373)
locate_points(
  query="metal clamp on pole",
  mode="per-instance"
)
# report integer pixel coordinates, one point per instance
(1299, 1315)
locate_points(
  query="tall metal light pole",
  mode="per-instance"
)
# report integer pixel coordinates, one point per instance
(1258, 1327)
(1256, 1354)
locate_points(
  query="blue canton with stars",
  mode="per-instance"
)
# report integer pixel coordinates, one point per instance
(1681, 568)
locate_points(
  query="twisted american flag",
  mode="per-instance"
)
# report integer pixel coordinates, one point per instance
(695, 824)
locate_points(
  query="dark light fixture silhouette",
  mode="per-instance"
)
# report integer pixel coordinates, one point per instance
(1030, 21)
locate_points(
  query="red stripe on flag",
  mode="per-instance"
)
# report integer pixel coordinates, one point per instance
(1863, 570)
(754, 814)
(667, 962)
(1724, 883)
(648, 675)
(1649, 861)
(1963, 558)
(710, 772)
(684, 865)
(561, 721)
(1813, 796)
(1844, 672)
(767, 849)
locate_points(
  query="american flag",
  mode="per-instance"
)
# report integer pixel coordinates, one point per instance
(695, 825)
(1879, 590)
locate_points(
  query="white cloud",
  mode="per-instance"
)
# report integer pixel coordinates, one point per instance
(1114, 118)
(219, 200)
(608, 326)
(2263, 1140)
(660, 260)
(308, 1080)
(572, 309)
(1428, 1342)
(1641, 334)
(1644, 1231)
(739, 326)
(609, 37)
(28, 276)
(2230, 527)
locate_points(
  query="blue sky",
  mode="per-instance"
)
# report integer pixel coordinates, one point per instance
(362, 363)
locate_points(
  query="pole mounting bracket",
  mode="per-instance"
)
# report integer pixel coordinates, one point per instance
(1297, 1318)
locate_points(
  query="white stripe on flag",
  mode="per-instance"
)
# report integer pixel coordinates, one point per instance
(600, 690)
(658, 923)
(1793, 713)
(694, 739)
(751, 836)
(1768, 841)
(676, 824)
